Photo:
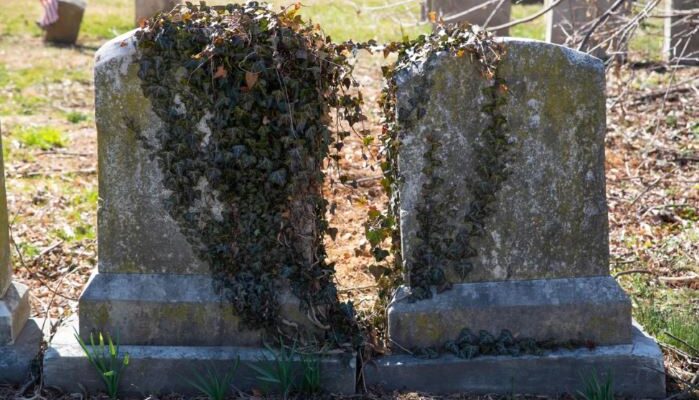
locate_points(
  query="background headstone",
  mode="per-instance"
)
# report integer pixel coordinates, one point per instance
(569, 22)
(148, 8)
(682, 32)
(495, 13)
(19, 340)
(65, 30)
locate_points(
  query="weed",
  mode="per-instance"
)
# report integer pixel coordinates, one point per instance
(311, 374)
(213, 385)
(278, 373)
(107, 360)
(75, 117)
(596, 390)
(42, 137)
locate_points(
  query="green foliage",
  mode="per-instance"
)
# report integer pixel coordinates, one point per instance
(213, 385)
(278, 375)
(107, 360)
(42, 137)
(310, 385)
(246, 95)
(596, 390)
(75, 117)
(419, 269)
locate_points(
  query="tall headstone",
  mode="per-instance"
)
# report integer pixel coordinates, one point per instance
(479, 12)
(20, 338)
(682, 31)
(514, 218)
(148, 8)
(150, 288)
(569, 22)
(65, 30)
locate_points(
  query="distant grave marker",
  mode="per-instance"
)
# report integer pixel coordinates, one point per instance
(569, 22)
(65, 30)
(493, 12)
(682, 32)
(148, 8)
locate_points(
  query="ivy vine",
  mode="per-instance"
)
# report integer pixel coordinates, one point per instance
(246, 96)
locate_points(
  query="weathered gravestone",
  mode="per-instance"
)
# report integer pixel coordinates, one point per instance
(682, 32)
(148, 8)
(151, 290)
(65, 30)
(20, 337)
(475, 12)
(569, 22)
(503, 223)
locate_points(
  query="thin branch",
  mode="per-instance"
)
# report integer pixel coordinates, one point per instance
(527, 19)
(599, 22)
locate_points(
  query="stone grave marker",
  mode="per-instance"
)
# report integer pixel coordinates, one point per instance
(681, 32)
(494, 12)
(65, 30)
(569, 22)
(20, 337)
(502, 199)
(151, 289)
(148, 8)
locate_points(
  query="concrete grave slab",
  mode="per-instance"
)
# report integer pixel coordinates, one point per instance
(168, 310)
(594, 310)
(166, 369)
(18, 359)
(636, 369)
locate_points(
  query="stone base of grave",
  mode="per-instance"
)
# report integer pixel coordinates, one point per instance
(539, 309)
(636, 369)
(66, 29)
(14, 312)
(167, 369)
(17, 359)
(170, 310)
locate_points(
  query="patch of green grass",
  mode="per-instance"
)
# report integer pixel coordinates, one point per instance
(675, 327)
(42, 137)
(533, 30)
(76, 117)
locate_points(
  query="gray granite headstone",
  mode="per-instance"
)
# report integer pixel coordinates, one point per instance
(493, 13)
(537, 262)
(682, 32)
(65, 30)
(151, 287)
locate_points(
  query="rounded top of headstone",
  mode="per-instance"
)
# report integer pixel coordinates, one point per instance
(122, 46)
(115, 56)
(577, 58)
(78, 3)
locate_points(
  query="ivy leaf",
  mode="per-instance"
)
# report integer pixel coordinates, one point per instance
(251, 79)
(220, 72)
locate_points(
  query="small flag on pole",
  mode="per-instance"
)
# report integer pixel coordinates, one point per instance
(50, 13)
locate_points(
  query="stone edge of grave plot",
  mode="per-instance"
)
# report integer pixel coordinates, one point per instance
(636, 371)
(169, 369)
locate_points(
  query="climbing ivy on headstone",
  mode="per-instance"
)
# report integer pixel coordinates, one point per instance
(246, 96)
